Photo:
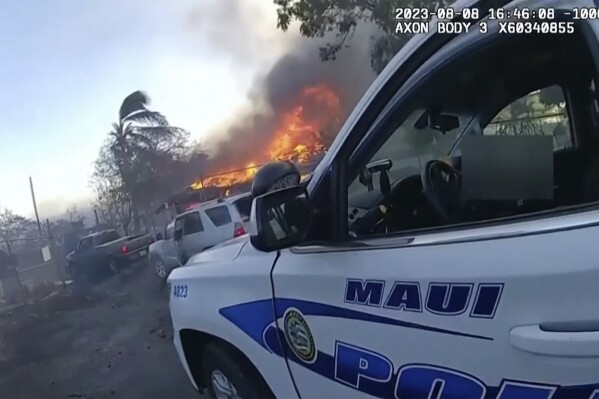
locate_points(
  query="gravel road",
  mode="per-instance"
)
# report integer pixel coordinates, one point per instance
(111, 341)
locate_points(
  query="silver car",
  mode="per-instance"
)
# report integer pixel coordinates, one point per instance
(202, 227)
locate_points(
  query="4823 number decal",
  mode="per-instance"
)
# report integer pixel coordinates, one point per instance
(180, 291)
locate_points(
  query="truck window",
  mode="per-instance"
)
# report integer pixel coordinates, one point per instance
(431, 182)
(244, 207)
(86, 244)
(219, 215)
(192, 224)
(178, 228)
(541, 112)
(106, 237)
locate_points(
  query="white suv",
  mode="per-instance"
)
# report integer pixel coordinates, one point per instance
(211, 223)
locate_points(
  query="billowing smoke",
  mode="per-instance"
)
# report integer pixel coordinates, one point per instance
(279, 88)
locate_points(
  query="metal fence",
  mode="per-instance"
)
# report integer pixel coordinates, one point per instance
(36, 270)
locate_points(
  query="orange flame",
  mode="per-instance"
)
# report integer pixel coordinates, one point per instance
(297, 139)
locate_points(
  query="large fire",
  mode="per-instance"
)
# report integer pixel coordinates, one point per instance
(298, 137)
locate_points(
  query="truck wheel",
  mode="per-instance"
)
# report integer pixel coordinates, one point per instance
(113, 266)
(160, 268)
(228, 375)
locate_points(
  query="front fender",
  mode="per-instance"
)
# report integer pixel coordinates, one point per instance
(210, 297)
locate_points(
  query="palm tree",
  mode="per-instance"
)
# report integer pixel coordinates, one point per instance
(135, 132)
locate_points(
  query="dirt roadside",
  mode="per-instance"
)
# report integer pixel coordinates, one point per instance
(113, 341)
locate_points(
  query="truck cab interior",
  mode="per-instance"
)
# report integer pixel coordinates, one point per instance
(412, 176)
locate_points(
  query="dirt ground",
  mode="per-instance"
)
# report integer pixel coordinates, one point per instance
(111, 341)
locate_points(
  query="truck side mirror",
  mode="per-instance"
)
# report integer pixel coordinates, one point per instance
(280, 219)
(159, 237)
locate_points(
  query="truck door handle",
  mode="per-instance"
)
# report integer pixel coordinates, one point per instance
(566, 343)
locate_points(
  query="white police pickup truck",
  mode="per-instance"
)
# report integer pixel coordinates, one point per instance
(447, 246)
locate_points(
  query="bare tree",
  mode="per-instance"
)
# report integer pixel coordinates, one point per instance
(113, 203)
(114, 208)
(12, 228)
(58, 229)
(74, 215)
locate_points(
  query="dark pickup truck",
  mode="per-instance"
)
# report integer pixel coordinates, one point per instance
(106, 251)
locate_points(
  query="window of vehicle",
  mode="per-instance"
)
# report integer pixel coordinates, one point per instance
(409, 148)
(244, 207)
(192, 223)
(409, 174)
(106, 237)
(169, 232)
(219, 215)
(541, 112)
(178, 227)
(86, 244)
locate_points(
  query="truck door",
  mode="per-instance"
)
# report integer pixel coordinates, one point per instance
(168, 245)
(482, 305)
(94, 255)
(83, 251)
(178, 240)
(193, 240)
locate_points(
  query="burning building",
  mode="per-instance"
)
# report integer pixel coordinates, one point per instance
(301, 136)
(298, 107)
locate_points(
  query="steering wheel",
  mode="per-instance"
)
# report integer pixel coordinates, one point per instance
(442, 183)
(372, 222)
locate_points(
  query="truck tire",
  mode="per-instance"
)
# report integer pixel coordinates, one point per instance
(159, 268)
(228, 374)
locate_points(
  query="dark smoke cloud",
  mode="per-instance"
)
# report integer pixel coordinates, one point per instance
(349, 76)
(276, 90)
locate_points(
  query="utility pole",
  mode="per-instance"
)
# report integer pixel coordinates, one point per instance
(52, 247)
(37, 218)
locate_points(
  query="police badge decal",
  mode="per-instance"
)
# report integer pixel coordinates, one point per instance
(298, 335)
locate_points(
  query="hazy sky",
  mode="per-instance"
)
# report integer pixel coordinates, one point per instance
(67, 65)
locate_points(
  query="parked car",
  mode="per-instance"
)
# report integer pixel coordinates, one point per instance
(106, 251)
(202, 227)
(211, 223)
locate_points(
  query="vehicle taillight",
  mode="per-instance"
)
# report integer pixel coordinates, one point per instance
(124, 249)
(239, 230)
